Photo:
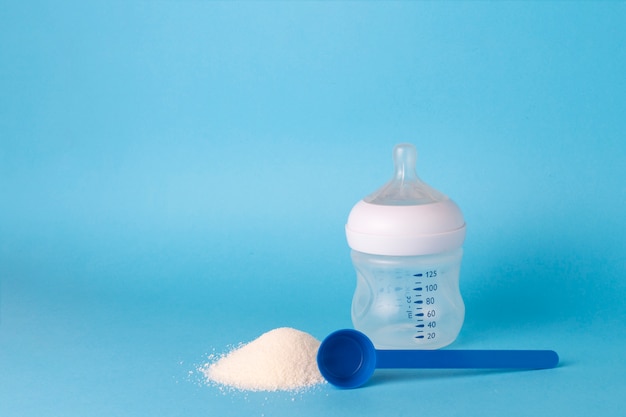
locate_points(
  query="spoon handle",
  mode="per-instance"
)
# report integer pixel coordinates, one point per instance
(476, 359)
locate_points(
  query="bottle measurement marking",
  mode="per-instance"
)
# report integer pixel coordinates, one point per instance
(423, 294)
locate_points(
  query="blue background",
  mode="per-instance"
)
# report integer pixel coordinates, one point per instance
(175, 178)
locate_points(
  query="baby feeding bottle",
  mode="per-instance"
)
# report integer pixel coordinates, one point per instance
(406, 248)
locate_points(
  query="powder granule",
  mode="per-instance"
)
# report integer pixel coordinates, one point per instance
(281, 359)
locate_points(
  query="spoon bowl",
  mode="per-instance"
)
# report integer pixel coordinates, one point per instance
(346, 358)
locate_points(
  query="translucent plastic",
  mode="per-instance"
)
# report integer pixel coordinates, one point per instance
(408, 302)
(406, 240)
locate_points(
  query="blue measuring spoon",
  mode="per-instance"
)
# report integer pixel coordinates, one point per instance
(347, 359)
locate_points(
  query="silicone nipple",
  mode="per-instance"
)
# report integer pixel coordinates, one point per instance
(405, 188)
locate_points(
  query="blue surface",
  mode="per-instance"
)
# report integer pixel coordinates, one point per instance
(175, 178)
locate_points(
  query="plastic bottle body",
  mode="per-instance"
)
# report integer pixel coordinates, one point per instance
(408, 302)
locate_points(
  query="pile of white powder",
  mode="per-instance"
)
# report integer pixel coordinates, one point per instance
(281, 359)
